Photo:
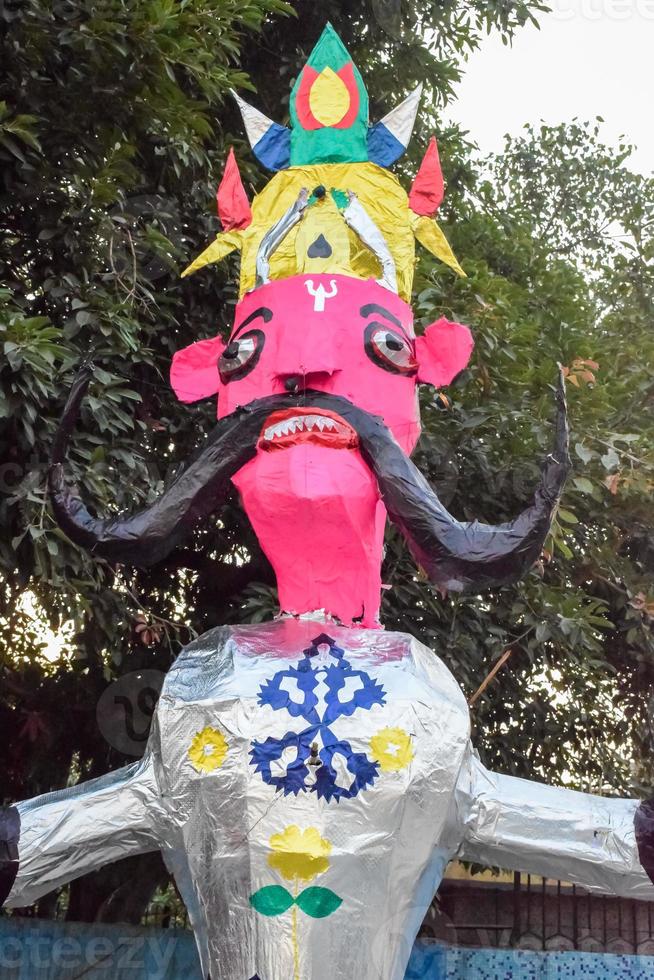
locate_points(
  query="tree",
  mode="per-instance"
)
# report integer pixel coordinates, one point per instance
(110, 141)
(114, 131)
(557, 239)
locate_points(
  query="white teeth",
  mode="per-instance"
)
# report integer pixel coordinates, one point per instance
(299, 423)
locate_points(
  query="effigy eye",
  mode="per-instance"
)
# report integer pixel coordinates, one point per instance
(241, 355)
(390, 350)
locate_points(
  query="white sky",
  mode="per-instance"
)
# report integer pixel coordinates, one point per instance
(589, 58)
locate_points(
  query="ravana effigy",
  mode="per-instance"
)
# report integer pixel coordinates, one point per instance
(308, 780)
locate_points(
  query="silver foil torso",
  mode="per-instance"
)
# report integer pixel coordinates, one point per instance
(321, 761)
(307, 785)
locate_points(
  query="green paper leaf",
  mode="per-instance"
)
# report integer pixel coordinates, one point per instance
(318, 902)
(271, 900)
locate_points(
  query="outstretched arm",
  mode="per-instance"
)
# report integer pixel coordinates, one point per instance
(605, 845)
(48, 841)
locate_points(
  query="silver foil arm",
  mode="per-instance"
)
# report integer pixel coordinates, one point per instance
(558, 833)
(68, 833)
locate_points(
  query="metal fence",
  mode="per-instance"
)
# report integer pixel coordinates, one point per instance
(531, 913)
(538, 914)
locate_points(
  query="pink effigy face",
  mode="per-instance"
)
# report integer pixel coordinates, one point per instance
(311, 498)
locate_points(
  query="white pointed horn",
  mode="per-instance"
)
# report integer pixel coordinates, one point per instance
(401, 120)
(256, 124)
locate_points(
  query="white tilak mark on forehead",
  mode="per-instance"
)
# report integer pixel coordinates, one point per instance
(320, 294)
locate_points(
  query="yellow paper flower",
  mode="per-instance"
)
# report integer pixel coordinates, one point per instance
(391, 748)
(299, 854)
(208, 750)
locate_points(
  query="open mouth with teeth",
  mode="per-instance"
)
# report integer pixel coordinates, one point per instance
(293, 426)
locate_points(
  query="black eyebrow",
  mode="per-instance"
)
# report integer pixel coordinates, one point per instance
(374, 308)
(262, 311)
(382, 311)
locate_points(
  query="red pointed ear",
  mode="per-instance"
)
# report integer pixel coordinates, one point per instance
(194, 370)
(428, 188)
(443, 350)
(231, 198)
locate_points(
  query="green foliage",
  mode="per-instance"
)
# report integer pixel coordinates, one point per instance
(557, 240)
(114, 129)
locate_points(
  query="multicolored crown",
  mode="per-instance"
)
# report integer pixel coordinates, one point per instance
(332, 206)
(329, 117)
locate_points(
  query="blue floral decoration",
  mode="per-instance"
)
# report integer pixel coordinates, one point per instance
(346, 690)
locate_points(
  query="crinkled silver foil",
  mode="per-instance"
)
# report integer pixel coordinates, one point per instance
(551, 831)
(324, 870)
(359, 221)
(276, 235)
(384, 840)
(68, 833)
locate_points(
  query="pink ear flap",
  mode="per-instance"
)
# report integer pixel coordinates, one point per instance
(194, 370)
(443, 350)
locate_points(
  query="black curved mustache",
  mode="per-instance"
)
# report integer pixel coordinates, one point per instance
(149, 535)
(456, 555)
(459, 556)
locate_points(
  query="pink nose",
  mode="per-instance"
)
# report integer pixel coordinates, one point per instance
(309, 350)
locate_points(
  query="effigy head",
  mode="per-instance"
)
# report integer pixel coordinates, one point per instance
(317, 383)
(327, 258)
(310, 496)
